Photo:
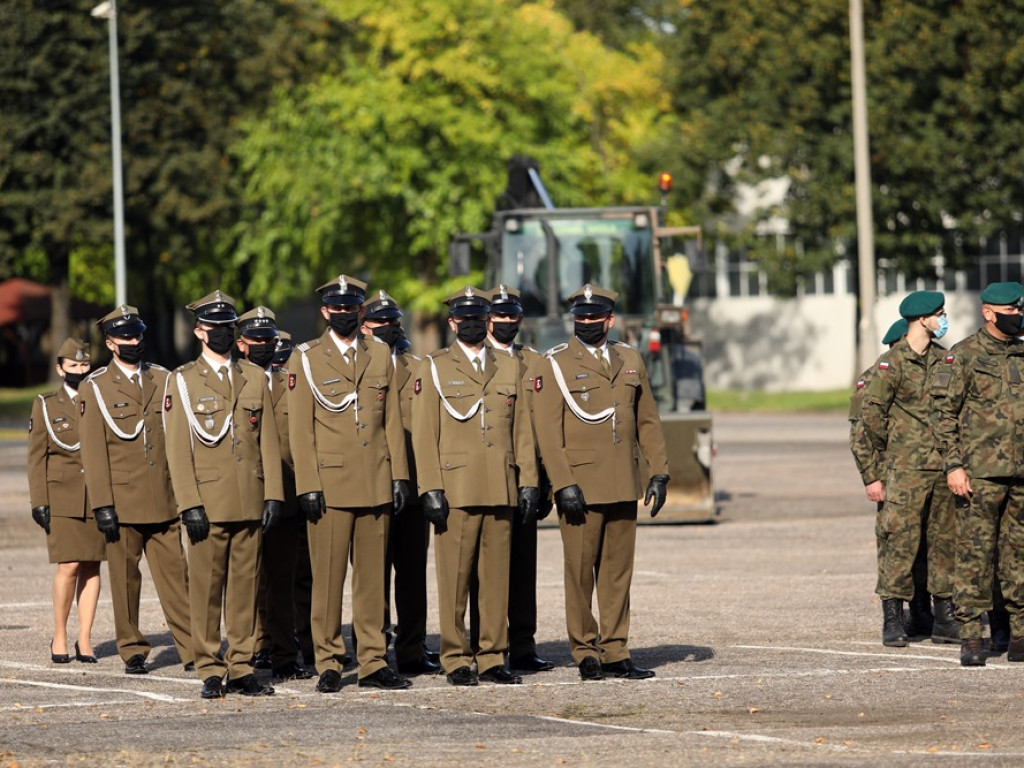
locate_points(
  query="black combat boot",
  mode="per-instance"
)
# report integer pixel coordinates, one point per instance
(971, 653)
(919, 622)
(999, 630)
(945, 629)
(892, 623)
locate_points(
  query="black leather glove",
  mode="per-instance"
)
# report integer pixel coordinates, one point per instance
(106, 521)
(273, 513)
(401, 493)
(42, 517)
(656, 489)
(571, 504)
(529, 503)
(435, 509)
(313, 505)
(197, 524)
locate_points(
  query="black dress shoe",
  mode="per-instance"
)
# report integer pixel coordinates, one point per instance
(212, 688)
(58, 658)
(626, 670)
(136, 665)
(329, 682)
(463, 676)
(590, 668)
(292, 671)
(190, 666)
(261, 660)
(385, 677)
(531, 662)
(434, 656)
(422, 666)
(501, 675)
(248, 685)
(79, 656)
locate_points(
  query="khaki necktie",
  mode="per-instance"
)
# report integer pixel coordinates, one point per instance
(476, 365)
(604, 362)
(136, 380)
(349, 355)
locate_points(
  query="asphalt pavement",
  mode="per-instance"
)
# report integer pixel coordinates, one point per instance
(763, 630)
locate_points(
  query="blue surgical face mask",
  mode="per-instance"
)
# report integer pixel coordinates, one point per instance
(943, 327)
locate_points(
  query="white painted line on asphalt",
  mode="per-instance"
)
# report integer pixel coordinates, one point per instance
(770, 740)
(832, 652)
(35, 707)
(91, 689)
(49, 604)
(608, 726)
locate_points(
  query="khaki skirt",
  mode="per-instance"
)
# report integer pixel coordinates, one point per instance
(75, 540)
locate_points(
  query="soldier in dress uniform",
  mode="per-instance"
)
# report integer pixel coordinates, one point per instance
(409, 537)
(125, 459)
(503, 323)
(476, 464)
(60, 505)
(277, 647)
(225, 460)
(348, 444)
(595, 415)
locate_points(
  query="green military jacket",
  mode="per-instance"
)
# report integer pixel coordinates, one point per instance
(897, 411)
(595, 429)
(222, 442)
(345, 423)
(123, 447)
(866, 457)
(471, 431)
(55, 475)
(979, 406)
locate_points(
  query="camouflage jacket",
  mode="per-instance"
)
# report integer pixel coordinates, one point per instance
(898, 408)
(979, 406)
(867, 459)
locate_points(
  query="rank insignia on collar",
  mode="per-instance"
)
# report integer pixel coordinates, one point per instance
(417, 386)
(291, 381)
(167, 403)
(538, 384)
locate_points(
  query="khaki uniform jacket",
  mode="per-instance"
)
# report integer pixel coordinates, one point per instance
(604, 459)
(283, 383)
(979, 406)
(898, 409)
(406, 365)
(55, 475)
(352, 455)
(232, 476)
(127, 471)
(474, 461)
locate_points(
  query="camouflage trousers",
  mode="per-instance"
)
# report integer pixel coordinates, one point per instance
(990, 543)
(917, 514)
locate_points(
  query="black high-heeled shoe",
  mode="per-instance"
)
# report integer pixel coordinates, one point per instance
(82, 658)
(58, 658)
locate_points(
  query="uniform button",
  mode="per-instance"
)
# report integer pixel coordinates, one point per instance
(615, 403)
(490, 445)
(447, 465)
(238, 458)
(152, 463)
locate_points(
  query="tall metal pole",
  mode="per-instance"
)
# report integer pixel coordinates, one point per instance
(867, 344)
(108, 10)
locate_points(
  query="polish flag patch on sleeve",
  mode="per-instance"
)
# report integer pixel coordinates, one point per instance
(538, 384)
(291, 381)
(883, 366)
(167, 403)
(860, 384)
(417, 386)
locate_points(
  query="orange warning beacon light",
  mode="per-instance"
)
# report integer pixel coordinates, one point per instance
(664, 182)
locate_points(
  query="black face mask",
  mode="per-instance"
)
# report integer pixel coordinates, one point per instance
(131, 353)
(220, 339)
(261, 354)
(590, 333)
(504, 332)
(344, 323)
(389, 334)
(74, 379)
(1008, 324)
(471, 331)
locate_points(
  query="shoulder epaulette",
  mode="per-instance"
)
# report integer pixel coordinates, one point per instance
(45, 395)
(308, 345)
(184, 366)
(412, 355)
(437, 353)
(556, 349)
(379, 341)
(156, 366)
(531, 349)
(97, 372)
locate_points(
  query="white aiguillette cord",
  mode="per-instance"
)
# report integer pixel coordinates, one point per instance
(349, 399)
(110, 421)
(588, 418)
(205, 437)
(448, 406)
(49, 429)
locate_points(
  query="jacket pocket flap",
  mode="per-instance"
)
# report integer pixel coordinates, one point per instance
(453, 460)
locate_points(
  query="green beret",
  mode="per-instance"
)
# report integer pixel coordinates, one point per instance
(921, 304)
(896, 332)
(1002, 294)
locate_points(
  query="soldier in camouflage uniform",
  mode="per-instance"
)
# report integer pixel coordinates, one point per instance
(917, 514)
(978, 420)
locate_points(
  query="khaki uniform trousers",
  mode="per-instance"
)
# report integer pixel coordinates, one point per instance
(477, 535)
(599, 552)
(161, 543)
(363, 533)
(223, 574)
